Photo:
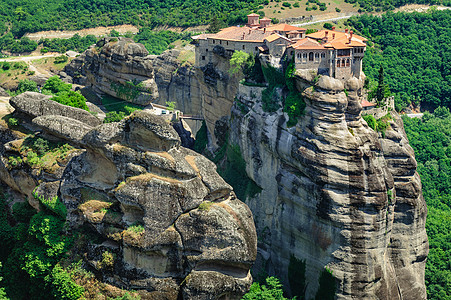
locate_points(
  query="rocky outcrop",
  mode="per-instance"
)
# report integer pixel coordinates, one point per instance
(208, 93)
(171, 226)
(117, 67)
(35, 104)
(334, 194)
(3, 93)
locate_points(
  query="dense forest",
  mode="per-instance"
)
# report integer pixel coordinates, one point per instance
(36, 15)
(415, 52)
(385, 5)
(430, 137)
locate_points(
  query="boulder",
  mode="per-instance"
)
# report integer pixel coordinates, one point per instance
(118, 67)
(35, 104)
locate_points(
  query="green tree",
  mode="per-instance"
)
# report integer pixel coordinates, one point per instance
(215, 24)
(26, 85)
(238, 62)
(71, 98)
(271, 291)
(55, 85)
(380, 91)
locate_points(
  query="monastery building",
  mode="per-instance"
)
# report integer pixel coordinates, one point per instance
(330, 52)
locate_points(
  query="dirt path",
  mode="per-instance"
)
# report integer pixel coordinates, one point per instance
(325, 20)
(28, 58)
(97, 31)
(419, 8)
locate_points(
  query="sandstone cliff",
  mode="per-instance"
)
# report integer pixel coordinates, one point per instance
(335, 193)
(208, 93)
(117, 67)
(173, 226)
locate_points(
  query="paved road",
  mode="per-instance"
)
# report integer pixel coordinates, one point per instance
(325, 20)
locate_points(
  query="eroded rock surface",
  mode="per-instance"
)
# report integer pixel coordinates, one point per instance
(335, 193)
(35, 104)
(118, 67)
(172, 226)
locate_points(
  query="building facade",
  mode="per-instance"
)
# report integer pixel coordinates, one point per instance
(329, 52)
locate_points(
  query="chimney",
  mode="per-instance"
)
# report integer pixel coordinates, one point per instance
(333, 36)
(264, 30)
(346, 30)
(326, 35)
(333, 28)
(352, 32)
(243, 36)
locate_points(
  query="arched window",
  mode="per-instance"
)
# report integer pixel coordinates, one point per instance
(347, 63)
(338, 63)
(310, 56)
(316, 56)
(206, 50)
(323, 55)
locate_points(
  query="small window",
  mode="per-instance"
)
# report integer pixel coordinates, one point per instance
(310, 56)
(213, 41)
(256, 48)
(220, 42)
(347, 63)
(323, 55)
(203, 57)
(227, 43)
(206, 50)
(243, 47)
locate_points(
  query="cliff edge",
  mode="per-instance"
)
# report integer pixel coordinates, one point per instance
(335, 194)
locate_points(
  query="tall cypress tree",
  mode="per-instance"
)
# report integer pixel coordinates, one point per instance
(380, 92)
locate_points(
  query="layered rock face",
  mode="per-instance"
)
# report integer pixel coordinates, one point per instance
(335, 193)
(173, 228)
(117, 67)
(208, 93)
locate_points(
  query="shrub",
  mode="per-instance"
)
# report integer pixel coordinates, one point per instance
(55, 85)
(13, 122)
(114, 116)
(107, 261)
(371, 121)
(71, 98)
(271, 291)
(54, 204)
(286, 4)
(63, 287)
(328, 26)
(61, 59)
(337, 9)
(296, 4)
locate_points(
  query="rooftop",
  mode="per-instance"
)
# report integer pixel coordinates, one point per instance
(235, 33)
(284, 28)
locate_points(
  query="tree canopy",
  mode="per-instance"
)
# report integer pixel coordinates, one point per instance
(415, 53)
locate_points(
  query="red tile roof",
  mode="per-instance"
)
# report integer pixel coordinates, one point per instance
(338, 39)
(235, 33)
(366, 103)
(284, 28)
(307, 44)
